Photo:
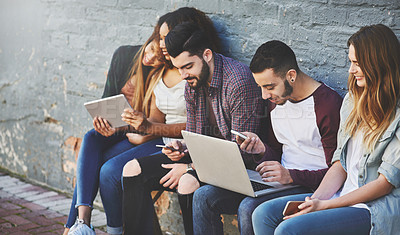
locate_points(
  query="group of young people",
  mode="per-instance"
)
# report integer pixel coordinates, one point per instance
(344, 155)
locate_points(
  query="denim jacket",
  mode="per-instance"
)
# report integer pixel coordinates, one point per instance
(385, 160)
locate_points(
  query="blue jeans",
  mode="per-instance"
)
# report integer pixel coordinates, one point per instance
(268, 219)
(209, 202)
(99, 165)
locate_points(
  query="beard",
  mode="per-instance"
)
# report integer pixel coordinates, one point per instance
(288, 91)
(202, 78)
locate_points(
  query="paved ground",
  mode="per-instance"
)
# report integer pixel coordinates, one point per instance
(30, 209)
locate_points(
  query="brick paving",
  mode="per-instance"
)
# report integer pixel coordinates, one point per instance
(30, 209)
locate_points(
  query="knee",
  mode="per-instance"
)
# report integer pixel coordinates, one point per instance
(188, 184)
(288, 228)
(132, 168)
(109, 173)
(90, 134)
(246, 208)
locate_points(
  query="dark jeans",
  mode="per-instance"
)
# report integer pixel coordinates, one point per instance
(137, 203)
(210, 202)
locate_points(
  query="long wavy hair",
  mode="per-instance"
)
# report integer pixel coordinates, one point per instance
(377, 51)
(139, 74)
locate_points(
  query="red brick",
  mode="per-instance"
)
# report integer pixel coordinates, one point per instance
(31, 214)
(33, 206)
(28, 226)
(20, 229)
(9, 206)
(16, 219)
(4, 213)
(41, 220)
(5, 225)
(41, 230)
(51, 214)
(15, 230)
(16, 200)
(62, 219)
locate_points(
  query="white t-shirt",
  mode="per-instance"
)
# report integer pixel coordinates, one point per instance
(295, 126)
(171, 101)
(355, 150)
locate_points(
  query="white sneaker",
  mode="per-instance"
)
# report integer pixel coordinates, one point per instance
(80, 228)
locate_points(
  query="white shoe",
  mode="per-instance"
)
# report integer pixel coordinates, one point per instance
(80, 228)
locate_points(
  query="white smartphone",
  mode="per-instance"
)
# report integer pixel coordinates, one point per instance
(168, 147)
(239, 134)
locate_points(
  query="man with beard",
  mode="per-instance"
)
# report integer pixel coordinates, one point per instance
(304, 120)
(220, 95)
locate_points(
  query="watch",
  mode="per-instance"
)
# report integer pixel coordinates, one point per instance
(189, 167)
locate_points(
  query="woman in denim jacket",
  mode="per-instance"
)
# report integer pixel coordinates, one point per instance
(360, 193)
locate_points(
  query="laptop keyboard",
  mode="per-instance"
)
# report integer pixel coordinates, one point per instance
(258, 186)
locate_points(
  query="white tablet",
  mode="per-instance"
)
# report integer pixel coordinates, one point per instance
(109, 108)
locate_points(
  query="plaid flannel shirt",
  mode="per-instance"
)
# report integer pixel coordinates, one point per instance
(235, 98)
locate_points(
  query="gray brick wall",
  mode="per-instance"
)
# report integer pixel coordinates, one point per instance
(54, 56)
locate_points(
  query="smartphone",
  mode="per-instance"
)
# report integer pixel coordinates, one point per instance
(292, 207)
(168, 147)
(239, 134)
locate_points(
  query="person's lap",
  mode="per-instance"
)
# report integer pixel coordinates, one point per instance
(268, 219)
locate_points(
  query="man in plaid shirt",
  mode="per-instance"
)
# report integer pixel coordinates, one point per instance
(221, 95)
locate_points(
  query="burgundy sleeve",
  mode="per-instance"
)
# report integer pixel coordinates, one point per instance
(327, 110)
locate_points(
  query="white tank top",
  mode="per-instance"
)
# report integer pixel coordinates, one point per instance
(171, 101)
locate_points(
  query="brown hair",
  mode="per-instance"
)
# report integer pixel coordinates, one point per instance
(142, 96)
(377, 51)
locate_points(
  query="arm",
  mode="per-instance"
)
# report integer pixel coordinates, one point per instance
(154, 125)
(118, 73)
(190, 109)
(331, 183)
(368, 192)
(245, 103)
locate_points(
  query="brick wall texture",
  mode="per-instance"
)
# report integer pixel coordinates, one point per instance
(54, 56)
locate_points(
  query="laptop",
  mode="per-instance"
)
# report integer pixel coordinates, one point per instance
(218, 162)
(109, 108)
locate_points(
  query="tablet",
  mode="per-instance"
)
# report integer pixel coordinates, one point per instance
(109, 108)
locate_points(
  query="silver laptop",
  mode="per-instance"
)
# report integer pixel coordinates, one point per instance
(218, 162)
(109, 108)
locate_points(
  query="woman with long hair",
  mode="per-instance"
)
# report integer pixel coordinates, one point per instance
(129, 69)
(360, 193)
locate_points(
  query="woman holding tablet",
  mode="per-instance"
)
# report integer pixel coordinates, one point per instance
(360, 192)
(163, 103)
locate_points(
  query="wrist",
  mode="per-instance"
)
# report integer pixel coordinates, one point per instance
(146, 126)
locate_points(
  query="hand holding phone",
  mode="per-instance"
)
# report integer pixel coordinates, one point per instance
(292, 207)
(243, 137)
(167, 147)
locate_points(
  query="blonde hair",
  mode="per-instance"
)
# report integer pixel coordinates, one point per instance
(377, 52)
(142, 97)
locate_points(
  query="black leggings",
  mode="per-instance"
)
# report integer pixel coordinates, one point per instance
(138, 207)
